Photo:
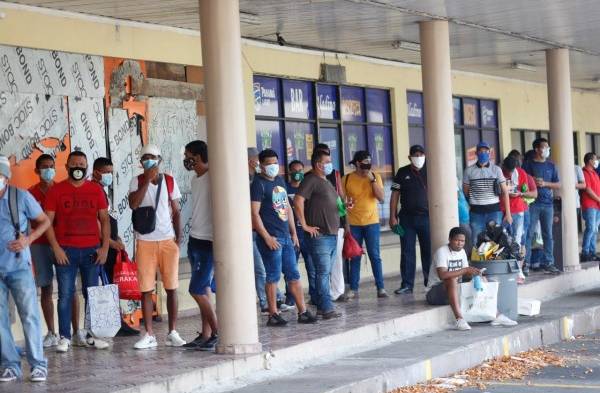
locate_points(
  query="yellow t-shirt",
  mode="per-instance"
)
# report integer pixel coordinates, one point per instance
(359, 188)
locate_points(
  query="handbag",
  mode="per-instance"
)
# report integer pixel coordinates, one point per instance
(479, 305)
(125, 277)
(351, 247)
(144, 217)
(102, 314)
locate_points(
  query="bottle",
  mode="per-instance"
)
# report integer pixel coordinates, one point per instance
(477, 283)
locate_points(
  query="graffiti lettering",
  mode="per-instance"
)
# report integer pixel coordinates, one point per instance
(123, 204)
(92, 70)
(43, 71)
(59, 68)
(127, 164)
(79, 79)
(9, 75)
(24, 65)
(48, 122)
(88, 131)
(3, 99)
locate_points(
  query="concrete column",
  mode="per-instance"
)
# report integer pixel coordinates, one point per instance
(226, 125)
(561, 135)
(439, 125)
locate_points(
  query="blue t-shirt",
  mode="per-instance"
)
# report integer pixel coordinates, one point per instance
(274, 204)
(547, 171)
(29, 209)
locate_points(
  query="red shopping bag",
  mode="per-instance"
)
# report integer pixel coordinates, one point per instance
(125, 276)
(351, 247)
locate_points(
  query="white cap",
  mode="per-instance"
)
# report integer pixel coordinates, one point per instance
(151, 149)
(5, 166)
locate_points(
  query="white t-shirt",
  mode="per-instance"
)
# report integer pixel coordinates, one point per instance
(164, 224)
(451, 260)
(202, 208)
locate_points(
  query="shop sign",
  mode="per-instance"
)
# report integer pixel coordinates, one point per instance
(327, 101)
(297, 99)
(414, 107)
(470, 112)
(266, 96)
(488, 114)
(352, 104)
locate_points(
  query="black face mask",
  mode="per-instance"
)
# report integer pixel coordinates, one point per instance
(189, 164)
(365, 166)
(77, 173)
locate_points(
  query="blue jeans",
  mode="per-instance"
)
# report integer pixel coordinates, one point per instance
(517, 227)
(311, 273)
(479, 222)
(21, 286)
(592, 220)
(370, 234)
(82, 259)
(415, 226)
(526, 225)
(545, 215)
(260, 275)
(323, 250)
(281, 260)
(200, 255)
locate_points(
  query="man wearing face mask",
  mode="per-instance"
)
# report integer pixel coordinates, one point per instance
(590, 205)
(43, 257)
(365, 189)
(273, 221)
(542, 210)
(158, 249)
(410, 188)
(485, 187)
(74, 207)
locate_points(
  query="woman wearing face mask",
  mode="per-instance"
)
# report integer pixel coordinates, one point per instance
(365, 189)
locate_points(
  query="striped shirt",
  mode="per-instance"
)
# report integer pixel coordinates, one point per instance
(482, 182)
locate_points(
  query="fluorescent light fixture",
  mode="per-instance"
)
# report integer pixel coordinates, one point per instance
(249, 19)
(524, 67)
(407, 45)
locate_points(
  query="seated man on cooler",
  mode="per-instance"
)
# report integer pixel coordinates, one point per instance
(450, 264)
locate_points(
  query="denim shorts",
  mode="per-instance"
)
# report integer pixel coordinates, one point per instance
(43, 264)
(278, 261)
(200, 254)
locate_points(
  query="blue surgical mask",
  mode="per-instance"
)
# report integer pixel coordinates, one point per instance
(272, 170)
(483, 157)
(107, 179)
(328, 168)
(148, 164)
(47, 174)
(2, 184)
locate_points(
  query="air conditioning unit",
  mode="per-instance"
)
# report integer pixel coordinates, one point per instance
(333, 73)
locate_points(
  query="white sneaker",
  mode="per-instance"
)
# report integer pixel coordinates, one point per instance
(146, 342)
(286, 307)
(174, 340)
(96, 343)
(80, 338)
(461, 324)
(503, 320)
(63, 345)
(51, 340)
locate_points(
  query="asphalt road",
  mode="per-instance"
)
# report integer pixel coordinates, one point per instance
(582, 373)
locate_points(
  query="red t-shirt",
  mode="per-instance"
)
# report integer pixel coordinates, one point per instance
(76, 213)
(592, 181)
(515, 183)
(39, 196)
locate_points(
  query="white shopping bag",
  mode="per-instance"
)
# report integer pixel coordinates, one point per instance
(103, 315)
(479, 306)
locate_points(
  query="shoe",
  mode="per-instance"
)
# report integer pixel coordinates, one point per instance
(595, 258)
(461, 324)
(403, 291)
(536, 268)
(127, 331)
(210, 344)
(157, 318)
(276, 320)
(80, 338)
(551, 270)
(51, 340)
(174, 340)
(38, 374)
(306, 317)
(146, 342)
(331, 315)
(525, 270)
(381, 293)
(503, 320)
(96, 343)
(8, 375)
(195, 342)
(350, 294)
(285, 307)
(264, 310)
(63, 345)
(342, 298)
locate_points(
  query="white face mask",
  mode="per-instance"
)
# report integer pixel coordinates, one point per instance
(418, 162)
(595, 164)
(546, 152)
(2, 184)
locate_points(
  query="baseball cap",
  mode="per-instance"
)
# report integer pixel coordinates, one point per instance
(150, 149)
(416, 149)
(5, 166)
(483, 145)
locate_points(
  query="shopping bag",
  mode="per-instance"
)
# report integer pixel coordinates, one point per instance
(102, 314)
(351, 247)
(125, 277)
(479, 305)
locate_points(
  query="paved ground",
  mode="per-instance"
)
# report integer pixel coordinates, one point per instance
(581, 375)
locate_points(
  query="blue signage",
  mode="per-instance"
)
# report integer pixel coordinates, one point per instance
(378, 106)
(489, 116)
(353, 104)
(298, 99)
(414, 107)
(266, 96)
(327, 102)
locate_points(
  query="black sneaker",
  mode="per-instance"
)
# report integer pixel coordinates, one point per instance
(264, 310)
(403, 291)
(127, 331)
(209, 345)
(551, 270)
(331, 314)
(195, 343)
(276, 320)
(526, 270)
(307, 317)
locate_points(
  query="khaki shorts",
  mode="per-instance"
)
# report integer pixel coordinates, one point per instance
(157, 255)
